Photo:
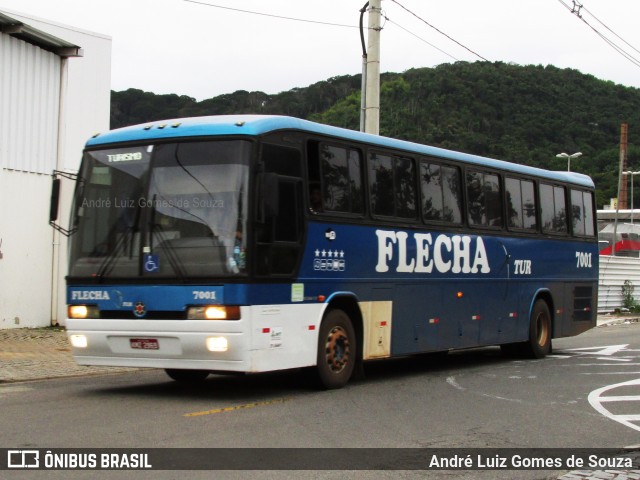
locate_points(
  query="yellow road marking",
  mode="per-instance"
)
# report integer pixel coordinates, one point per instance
(237, 407)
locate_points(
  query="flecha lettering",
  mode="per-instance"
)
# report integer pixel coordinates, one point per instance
(456, 254)
(90, 295)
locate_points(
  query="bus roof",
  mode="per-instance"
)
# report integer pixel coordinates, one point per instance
(254, 125)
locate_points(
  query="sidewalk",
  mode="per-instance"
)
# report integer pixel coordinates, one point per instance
(40, 353)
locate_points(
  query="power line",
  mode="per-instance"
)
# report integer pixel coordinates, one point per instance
(605, 26)
(420, 38)
(440, 31)
(271, 15)
(282, 17)
(577, 11)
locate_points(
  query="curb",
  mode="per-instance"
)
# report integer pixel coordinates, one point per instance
(603, 321)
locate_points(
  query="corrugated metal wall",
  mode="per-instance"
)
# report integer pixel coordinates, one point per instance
(613, 273)
(29, 106)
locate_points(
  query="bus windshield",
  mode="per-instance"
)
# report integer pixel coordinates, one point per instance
(176, 210)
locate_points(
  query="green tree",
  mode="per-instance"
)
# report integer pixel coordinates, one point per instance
(524, 114)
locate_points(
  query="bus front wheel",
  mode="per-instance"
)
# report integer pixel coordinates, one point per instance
(337, 351)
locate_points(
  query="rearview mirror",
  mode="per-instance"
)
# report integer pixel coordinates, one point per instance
(55, 200)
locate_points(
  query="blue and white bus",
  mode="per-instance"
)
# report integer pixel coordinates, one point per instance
(259, 243)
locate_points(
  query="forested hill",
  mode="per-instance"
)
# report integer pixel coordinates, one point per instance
(525, 114)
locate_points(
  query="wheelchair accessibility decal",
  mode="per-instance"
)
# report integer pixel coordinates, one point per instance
(151, 263)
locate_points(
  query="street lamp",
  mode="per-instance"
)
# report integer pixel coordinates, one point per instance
(569, 157)
(631, 174)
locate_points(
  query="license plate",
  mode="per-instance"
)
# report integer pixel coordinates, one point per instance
(144, 343)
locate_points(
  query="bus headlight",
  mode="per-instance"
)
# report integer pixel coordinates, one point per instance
(83, 311)
(217, 344)
(214, 312)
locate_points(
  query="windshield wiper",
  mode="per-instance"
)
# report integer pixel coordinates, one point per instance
(110, 260)
(173, 257)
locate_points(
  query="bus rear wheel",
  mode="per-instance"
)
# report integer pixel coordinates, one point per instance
(540, 332)
(187, 377)
(337, 350)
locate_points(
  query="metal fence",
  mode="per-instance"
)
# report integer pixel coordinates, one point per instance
(614, 271)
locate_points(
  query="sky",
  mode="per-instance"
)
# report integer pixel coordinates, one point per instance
(190, 47)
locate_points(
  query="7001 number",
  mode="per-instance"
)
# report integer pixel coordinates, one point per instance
(583, 260)
(204, 295)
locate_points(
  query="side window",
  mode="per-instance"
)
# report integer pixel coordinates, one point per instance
(381, 185)
(341, 181)
(392, 183)
(582, 213)
(405, 187)
(281, 160)
(589, 217)
(521, 204)
(553, 209)
(484, 199)
(441, 193)
(280, 228)
(286, 223)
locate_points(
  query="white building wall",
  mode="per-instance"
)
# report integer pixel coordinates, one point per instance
(49, 107)
(25, 268)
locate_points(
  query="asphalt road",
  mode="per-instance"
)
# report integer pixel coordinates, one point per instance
(587, 394)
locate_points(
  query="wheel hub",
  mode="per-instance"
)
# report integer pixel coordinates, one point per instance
(338, 349)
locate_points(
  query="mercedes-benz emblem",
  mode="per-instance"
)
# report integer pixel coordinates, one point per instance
(139, 310)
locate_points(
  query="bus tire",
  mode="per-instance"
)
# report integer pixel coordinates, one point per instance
(540, 331)
(187, 377)
(337, 350)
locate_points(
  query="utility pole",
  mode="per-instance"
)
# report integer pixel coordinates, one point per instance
(363, 81)
(623, 201)
(622, 186)
(372, 92)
